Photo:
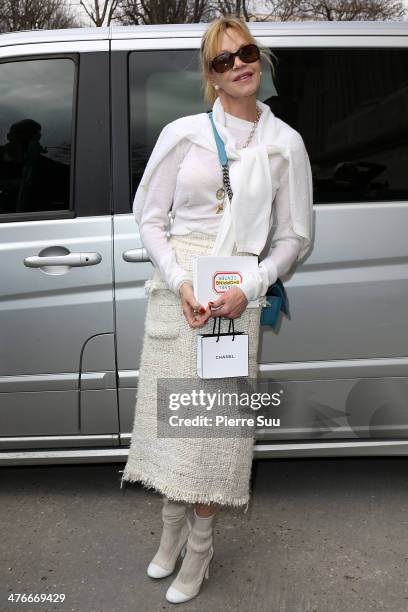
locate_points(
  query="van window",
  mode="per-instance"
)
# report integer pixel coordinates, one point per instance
(36, 102)
(165, 85)
(349, 105)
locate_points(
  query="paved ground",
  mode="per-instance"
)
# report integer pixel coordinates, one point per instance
(320, 535)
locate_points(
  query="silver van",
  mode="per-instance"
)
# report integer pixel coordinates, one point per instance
(80, 111)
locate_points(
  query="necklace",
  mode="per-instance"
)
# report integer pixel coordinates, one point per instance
(220, 194)
(258, 115)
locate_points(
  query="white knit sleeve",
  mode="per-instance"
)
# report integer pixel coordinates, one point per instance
(155, 219)
(285, 246)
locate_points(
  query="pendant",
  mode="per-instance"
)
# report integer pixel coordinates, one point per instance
(220, 196)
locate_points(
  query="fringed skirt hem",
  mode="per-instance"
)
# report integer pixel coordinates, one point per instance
(182, 495)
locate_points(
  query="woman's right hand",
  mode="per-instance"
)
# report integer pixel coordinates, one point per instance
(190, 304)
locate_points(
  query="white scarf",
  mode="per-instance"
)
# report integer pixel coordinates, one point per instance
(245, 219)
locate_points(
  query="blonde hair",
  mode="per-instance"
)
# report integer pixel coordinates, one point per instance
(209, 49)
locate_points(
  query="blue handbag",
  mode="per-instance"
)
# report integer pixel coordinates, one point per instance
(276, 296)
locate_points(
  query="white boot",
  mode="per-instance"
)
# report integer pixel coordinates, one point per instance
(196, 563)
(176, 528)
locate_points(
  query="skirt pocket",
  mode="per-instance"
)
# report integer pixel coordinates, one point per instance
(163, 314)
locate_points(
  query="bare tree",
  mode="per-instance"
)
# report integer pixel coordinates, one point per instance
(136, 12)
(354, 10)
(336, 10)
(101, 12)
(35, 14)
(237, 8)
(281, 10)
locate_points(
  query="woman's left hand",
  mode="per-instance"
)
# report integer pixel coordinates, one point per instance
(233, 303)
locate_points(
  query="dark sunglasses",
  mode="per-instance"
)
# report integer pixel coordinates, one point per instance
(225, 61)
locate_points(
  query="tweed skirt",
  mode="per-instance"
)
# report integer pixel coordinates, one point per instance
(190, 469)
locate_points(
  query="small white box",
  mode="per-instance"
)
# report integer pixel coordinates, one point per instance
(213, 275)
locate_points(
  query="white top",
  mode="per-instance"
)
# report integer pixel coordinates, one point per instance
(189, 177)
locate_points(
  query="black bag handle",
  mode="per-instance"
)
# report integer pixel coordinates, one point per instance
(231, 323)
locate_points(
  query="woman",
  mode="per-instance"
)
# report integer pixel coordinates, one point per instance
(268, 164)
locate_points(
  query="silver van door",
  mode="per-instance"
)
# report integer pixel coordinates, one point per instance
(341, 360)
(57, 357)
(343, 353)
(132, 266)
(153, 80)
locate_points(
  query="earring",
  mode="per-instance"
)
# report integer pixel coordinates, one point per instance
(216, 86)
(260, 73)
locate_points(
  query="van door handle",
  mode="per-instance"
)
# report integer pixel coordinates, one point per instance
(136, 255)
(72, 260)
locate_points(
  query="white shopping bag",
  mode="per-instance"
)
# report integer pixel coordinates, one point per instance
(222, 355)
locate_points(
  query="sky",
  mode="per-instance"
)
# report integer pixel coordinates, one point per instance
(85, 20)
